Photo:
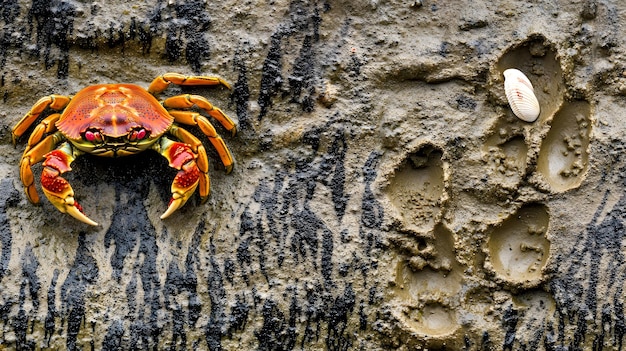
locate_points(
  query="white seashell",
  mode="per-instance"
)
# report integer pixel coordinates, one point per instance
(521, 95)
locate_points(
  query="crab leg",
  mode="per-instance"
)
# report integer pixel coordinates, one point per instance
(196, 119)
(55, 102)
(56, 188)
(45, 127)
(161, 82)
(181, 157)
(33, 156)
(188, 100)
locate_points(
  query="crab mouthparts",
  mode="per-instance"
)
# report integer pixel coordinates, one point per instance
(103, 144)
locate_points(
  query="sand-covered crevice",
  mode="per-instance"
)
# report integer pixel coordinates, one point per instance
(417, 188)
(427, 285)
(537, 58)
(518, 249)
(557, 143)
(495, 220)
(506, 153)
(564, 156)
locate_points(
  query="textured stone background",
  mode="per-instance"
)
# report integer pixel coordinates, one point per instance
(384, 196)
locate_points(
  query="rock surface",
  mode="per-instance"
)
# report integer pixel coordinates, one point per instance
(384, 194)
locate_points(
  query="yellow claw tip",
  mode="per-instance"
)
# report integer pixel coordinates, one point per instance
(224, 83)
(74, 212)
(230, 168)
(174, 205)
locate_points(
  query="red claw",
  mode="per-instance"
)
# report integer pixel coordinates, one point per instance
(57, 189)
(181, 157)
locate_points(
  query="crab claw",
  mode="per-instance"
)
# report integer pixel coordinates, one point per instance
(57, 189)
(186, 181)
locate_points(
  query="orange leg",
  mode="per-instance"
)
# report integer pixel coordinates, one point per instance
(180, 157)
(33, 156)
(161, 83)
(196, 119)
(44, 128)
(55, 102)
(188, 101)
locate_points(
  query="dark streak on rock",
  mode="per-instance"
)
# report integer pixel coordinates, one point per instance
(238, 315)
(131, 292)
(262, 244)
(188, 33)
(302, 18)
(243, 253)
(229, 270)
(9, 11)
(271, 80)
(549, 341)
(306, 225)
(285, 215)
(486, 343)
(509, 323)
(191, 280)
(30, 264)
(178, 328)
(174, 285)
(313, 313)
(302, 77)
(116, 36)
(276, 333)
(217, 294)
(619, 327)
(54, 25)
(252, 232)
(129, 221)
(149, 28)
(598, 253)
(177, 283)
(362, 316)
(268, 213)
(20, 325)
(113, 339)
(10, 197)
(130, 231)
(537, 337)
(5, 309)
(327, 256)
(241, 90)
(373, 212)
(82, 274)
(50, 322)
(338, 314)
(147, 329)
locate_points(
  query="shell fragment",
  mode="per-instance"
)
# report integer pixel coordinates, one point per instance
(521, 96)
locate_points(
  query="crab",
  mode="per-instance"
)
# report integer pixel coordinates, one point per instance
(115, 120)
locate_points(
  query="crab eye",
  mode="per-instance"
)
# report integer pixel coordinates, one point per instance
(137, 134)
(141, 134)
(93, 136)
